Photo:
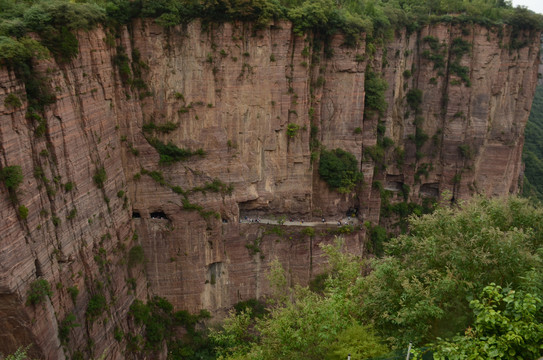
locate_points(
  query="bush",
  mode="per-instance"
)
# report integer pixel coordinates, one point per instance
(68, 186)
(258, 308)
(466, 151)
(100, 177)
(414, 99)
(97, 305)
(23, 212)
(339, 169)
(12, 101)
(39, 290)
(12, 176)
(170, 153)
(375, 88)
(65, 326)
(73, 291)
(292, 130)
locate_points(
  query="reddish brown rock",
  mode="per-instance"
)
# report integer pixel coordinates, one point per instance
(233, 94)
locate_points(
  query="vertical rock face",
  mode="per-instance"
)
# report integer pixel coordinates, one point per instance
(458, 99)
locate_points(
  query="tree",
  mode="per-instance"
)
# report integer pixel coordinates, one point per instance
(12, 176)
(508, 325)
(20, 354)
(422, 289)
(302, 324)
(339, 169)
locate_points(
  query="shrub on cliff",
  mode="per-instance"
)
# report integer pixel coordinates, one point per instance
(39, 290)
(339, 169)
(100, 177)
(12, 176)
(170, 153)
(96, 306)
(374, 87)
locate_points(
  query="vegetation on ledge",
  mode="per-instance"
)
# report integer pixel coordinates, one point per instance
(340, 170)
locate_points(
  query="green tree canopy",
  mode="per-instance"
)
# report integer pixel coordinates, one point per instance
(422, 289)
(339, 169)
(508, 325)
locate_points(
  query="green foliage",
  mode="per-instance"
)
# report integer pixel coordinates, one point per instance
(23, 212)
(65, 326)
(339, 169)
(136, 256)
(55, 220)
(12, 101)
(235, 339)
(68, 186)
(461, 71)
(420, 291)
(425, 283)
(156, 175)
(170, 153)
(309, 231)
(73, 291)
(376, 153)
(72, 214)
(96, 306)
(301, 324)
(165, 128)
(292, 130)
(375, 88)
(254, 246)
(378, 238)
(508, 325)
(118, 334)
(216, 186)
(39, 290)
(12, 176)
(466, 151)
(158, 321)
(100, 177)
(460, 47)
(414, 99)
(253, 307)
(121, 60)
(311, 15)
(19, 354)
(358, 341)
(15, 52)
(62, 43)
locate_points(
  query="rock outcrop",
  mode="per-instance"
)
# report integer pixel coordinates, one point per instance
(96, 193)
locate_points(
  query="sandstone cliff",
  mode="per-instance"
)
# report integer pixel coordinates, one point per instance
(458, 99)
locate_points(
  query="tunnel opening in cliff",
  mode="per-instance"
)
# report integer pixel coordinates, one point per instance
(161, 215)
(253, 207)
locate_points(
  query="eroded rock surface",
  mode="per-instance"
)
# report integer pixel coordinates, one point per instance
(233, 93)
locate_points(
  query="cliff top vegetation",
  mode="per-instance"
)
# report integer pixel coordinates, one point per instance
(55, 19)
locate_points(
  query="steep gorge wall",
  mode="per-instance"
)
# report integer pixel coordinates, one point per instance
(234, 92)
